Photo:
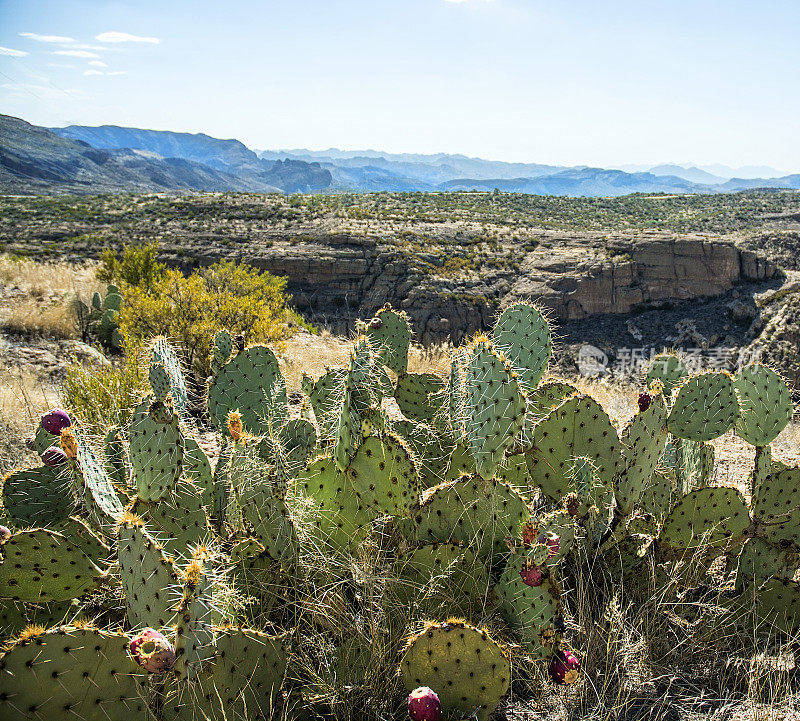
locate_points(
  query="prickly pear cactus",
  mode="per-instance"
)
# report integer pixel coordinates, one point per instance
(271, 523)
(776, 506)
(760, 560)
(156, 449)
(765, 403)
(469, 669)
(390, 333)
(704, 408)
(420, 396)
(707, 517)
(240, 682)
(442, 576)
(495, 407)
(384, 475)
(41, 565)
(457, 397)
(38, 497)
(532, 611)
(578, 428)
(250, 383)
(164, 355)
(643, 442)
(523, 335)
(149, 578)
(114, 460)
(95, 487)
(325, 394)
(670, 370)
(71, 672)
(476, 513)
(431, 450)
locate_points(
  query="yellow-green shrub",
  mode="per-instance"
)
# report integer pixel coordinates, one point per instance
(99, 397)
(189, 310)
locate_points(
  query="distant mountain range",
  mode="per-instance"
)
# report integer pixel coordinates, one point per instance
(114, 159)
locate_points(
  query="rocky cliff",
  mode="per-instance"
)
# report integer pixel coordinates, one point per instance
(335, 278)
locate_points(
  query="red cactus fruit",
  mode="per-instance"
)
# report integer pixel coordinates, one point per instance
(5, 533)
(152, 651)
(424, 705)
(551, 541)
(531, 574)
(564, 667)
(375, 323)
(55, 421)
(54, 457)
(644, 402)
(572, 504)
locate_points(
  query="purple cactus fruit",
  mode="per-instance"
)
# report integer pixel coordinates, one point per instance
(54, 457)
(152, 651)
(424, 705)
(55, 421)
(376, 324)
(551, 541)
(572, 504)
(564, 667)
(644, 402)
(531, 574)
(5, 533)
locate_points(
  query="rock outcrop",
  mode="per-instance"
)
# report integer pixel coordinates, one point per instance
(337, 278)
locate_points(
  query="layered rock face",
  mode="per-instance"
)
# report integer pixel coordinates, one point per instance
(337, 278)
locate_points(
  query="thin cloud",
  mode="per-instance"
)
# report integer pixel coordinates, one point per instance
(12, 53)
(92, 72)
(117, 37)
(76, 53)
(47, 38)
(98, 64)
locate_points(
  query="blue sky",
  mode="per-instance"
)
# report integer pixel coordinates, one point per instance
(596, 82)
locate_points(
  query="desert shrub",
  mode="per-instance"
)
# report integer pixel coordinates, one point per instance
(105, 396)
(189, 310)
(137, 267)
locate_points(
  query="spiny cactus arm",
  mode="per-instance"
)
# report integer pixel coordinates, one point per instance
(390, 333)
(164, 355)
(708, 517)
(760, 560)
(522, 334)
(431, 449)
(250, 383)
(149, 578)
(578, 428)
(420, 396)
(38, 497)
(71, 672)
(704, 408)
(271, 523)
(765, 403)
(42, 565)
(156, 449)
(95, 487)
(532, 611)
(495, 407)
(449, 657)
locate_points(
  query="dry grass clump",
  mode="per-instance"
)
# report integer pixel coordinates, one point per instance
(36, 298)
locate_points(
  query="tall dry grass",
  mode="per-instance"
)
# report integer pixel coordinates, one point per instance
(36, 298)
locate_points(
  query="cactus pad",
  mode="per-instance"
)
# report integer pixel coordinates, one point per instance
(707, 517)
(38, 497)
(765, 403)
(271, 523)
(420, 396)
(156, 449)
(469, 670)
(71, 673)
(776, 504)
(523, 335)
(643, 442)
(530, 610)
(578, 427)
(384, 475)
(704, 408)
(390, 333)
(670, 370)
(252, 384)
(476, 513)
(40, 565)
(165, 356)
(495, 407)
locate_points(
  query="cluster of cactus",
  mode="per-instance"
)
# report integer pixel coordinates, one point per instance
(485, 487)
(100, 319)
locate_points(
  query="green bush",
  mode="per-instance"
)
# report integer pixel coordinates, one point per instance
(105, 396)
(189, 310)
(138, 267)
